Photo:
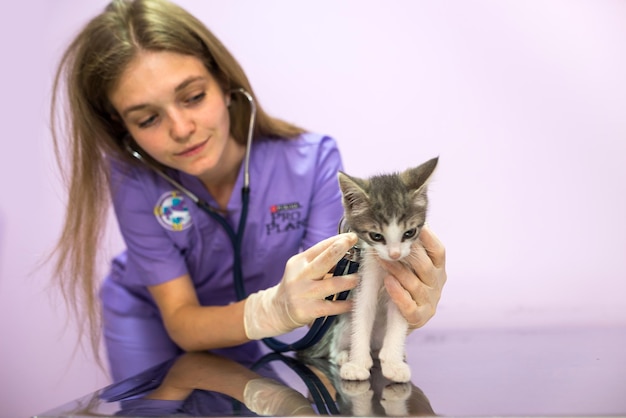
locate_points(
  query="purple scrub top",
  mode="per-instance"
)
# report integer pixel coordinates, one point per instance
(295, 202)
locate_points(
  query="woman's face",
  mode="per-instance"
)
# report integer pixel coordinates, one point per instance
(177, 113)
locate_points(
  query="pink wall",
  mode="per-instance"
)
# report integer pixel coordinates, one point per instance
(523, 101)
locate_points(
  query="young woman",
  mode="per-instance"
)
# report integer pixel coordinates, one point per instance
(152, 92)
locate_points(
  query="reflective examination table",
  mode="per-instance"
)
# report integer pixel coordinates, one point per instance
(540, 372)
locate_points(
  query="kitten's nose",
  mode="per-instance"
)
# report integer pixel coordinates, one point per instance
(394, 254)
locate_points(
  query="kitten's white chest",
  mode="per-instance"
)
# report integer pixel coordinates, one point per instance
(377, 328)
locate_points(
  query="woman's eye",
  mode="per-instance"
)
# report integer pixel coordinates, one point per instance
(410, 233)
(147, 122)
(376, 237)
(196, 98)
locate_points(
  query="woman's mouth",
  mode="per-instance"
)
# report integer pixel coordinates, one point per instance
(193, 150)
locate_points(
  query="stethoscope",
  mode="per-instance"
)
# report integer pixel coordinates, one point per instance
(347, 265)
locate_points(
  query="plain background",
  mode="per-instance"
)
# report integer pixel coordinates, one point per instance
(524, 102)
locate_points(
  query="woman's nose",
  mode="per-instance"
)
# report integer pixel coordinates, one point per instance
(182, 125)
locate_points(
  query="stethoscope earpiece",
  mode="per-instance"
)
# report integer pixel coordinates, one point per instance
(246, 162)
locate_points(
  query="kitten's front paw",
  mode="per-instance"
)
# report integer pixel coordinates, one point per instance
(356, 387)
(394, 399)
(354, 371)
(396, 392)
(396, 371)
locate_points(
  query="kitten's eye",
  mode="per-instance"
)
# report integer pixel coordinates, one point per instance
(376, 237)
(410, 233)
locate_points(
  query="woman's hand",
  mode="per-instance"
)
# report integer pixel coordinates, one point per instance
(300, 296)
(416, 293)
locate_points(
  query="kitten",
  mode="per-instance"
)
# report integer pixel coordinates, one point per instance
(387, 213)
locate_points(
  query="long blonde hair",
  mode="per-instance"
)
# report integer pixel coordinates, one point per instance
(90, 134)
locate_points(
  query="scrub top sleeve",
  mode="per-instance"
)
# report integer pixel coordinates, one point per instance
(152, 256)
(325, 204)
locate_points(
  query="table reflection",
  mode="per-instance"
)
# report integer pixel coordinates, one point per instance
(551, 371)
(207, 384)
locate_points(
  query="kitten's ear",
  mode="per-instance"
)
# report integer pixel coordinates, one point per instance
(416, 178)
(353, 191)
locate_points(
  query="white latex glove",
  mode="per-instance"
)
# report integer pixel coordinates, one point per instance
(299, 298)
(268, 397)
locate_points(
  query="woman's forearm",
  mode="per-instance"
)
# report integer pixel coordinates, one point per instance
(196, 328)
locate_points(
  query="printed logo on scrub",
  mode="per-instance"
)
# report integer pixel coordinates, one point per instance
(172, 211)
(284, 218)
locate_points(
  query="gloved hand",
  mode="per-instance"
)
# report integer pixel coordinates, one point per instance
(267, 397)
(299, 298)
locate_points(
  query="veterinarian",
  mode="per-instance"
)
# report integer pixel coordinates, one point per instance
(153, 114)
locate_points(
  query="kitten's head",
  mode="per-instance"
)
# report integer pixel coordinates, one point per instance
(388, 211)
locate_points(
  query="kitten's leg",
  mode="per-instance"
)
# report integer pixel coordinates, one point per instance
(339, 349)
(393, 350)
(360, 395)
(360, 360)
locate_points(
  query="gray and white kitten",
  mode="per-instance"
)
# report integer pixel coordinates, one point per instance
(387, 212)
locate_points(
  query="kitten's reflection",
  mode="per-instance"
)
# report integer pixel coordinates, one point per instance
(377, 396)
